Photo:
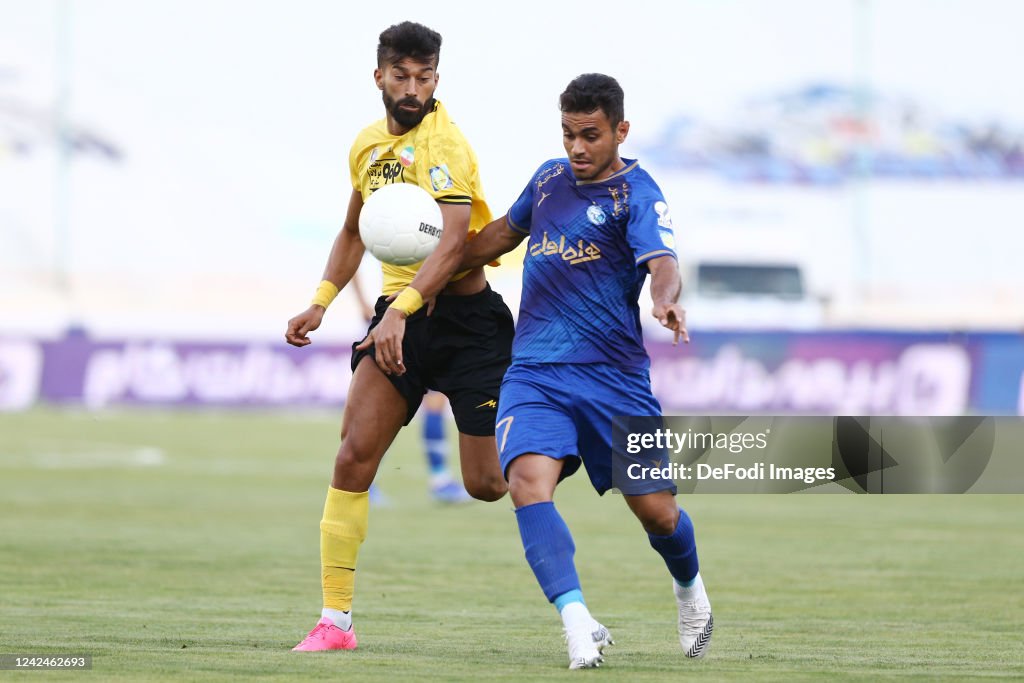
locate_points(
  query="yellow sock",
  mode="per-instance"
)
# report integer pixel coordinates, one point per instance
(342, 531)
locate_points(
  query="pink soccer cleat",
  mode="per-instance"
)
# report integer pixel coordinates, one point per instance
(326, 636)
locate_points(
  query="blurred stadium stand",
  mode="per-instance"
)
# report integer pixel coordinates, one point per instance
(160, 222)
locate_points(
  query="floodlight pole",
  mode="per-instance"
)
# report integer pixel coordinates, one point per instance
(861, 177)
(62, 141)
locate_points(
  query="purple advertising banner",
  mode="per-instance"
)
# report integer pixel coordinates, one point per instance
(77, 370)
(848, 373)
(815, 373)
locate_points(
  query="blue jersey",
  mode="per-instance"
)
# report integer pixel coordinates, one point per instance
(584, 265)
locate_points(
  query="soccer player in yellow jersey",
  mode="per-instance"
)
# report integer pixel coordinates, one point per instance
(462, 349)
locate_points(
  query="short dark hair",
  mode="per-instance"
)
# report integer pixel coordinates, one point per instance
(408, 39)
(590, 92)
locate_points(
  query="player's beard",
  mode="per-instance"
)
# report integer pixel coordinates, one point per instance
(404, 117)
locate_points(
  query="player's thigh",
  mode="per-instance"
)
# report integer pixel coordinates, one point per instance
(606, 393)
(533, 418)
(374, 412)
(470, 350)
(411, 384)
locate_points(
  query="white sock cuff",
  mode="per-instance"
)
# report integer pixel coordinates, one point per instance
(691, 591)
(342, 620)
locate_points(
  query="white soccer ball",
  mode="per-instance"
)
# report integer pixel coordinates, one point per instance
(400, 224)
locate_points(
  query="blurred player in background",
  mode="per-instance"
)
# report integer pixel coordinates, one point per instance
(597, 225)
(443, 487)
(461, 350)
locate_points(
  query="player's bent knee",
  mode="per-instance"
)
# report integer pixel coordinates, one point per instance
(533, 478)
(659, 521)
(356, 454)
(488, 490)
(525, 492)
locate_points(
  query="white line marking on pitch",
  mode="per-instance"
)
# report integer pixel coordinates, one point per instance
(85, 456)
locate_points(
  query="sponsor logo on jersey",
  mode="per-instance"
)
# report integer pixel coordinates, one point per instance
(440, 178)
(407, 156)
(488, 404)
(620, 199)
(548, 174)
(664, 219)
(596, 214)
(383, 173)
(573, 254)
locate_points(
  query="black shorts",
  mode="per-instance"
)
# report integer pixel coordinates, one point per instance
(462, 350)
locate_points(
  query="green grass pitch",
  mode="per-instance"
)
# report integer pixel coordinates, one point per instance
(182, 545)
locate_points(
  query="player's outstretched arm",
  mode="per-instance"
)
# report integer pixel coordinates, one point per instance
(494, 240)
(666, 286)
(346, 254)
(430, 279)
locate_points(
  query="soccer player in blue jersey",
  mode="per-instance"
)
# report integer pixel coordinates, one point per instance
(597, 226)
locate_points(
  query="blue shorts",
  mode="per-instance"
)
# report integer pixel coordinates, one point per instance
(565, 411)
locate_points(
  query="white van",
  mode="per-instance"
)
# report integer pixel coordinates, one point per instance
(729, 294)
(748, 280)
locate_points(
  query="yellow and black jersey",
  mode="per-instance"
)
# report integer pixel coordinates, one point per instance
(433, 155)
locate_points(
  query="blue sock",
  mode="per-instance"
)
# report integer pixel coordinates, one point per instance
(433, 437)
(678, 550)
(549, 549)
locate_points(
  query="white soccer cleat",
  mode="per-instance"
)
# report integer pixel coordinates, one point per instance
(602, 637)
(586, 645)
(695, 620)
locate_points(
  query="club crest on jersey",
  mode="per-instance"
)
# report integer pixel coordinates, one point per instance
(664, 219)
(440, 178)
(407, 156)
(596, 214)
